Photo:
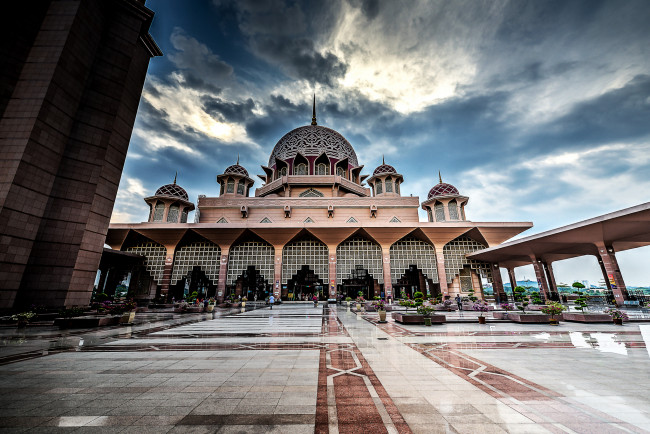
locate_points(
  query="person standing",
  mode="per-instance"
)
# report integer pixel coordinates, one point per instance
(271, 301)
(459, 302)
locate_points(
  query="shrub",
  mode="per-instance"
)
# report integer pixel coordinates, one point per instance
(535, 298)
(425, 310)
(553, 308)
(581, 301)
(520, 293)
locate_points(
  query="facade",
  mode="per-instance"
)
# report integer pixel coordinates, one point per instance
(317, 225)
(71, 77)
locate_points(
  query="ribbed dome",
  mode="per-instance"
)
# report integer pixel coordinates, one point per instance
(174, 190)
(384, 168)
(313, 140)
(236, 169)
(443, 189)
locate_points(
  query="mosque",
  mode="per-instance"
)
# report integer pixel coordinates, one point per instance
(317, 225)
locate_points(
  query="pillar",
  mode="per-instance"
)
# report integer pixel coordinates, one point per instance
(167, 271)
(497, 285)
(513, 280)
(277, 273)
(388, 284)
(541, 277)
(223, 274)
(612, 273)
(442, 273)
(548, 269)
(332, 271)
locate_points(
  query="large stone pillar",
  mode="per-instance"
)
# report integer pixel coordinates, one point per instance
(513, 280)
(332, 271)
(541, 277)
(167, 271)
(552, 286)
(277, 274)
(385, 260)
(612, 273)
(442, 273)
(497, 285)
(223, 274)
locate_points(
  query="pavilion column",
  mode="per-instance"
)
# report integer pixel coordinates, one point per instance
(548, 269)
(332, 271)
(223, 274)
(541, 277)
(513, 280)
(167, 271)
(612, 273)
(442, 273)
(497, 285)
(277, 275)
(388, 285)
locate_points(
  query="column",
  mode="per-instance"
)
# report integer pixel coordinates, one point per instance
(385, 260)
(442, 274)
(497, 285)
(277, 275)
(513, 280)
(167, 271)
(541, 277)
(223, 274)
(548, 269)
(612, 272)
(332, 271)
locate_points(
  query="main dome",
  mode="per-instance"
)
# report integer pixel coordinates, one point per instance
(313, 140)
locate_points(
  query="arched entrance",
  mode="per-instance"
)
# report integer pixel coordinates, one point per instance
(412, 281)
(305, 284)
(413, 268)
(252, 283)
(196, 280)
(359, 282)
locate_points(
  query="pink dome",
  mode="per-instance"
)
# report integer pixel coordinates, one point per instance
(173, 190)
(443, 189)
(384, 168)
(236, 169)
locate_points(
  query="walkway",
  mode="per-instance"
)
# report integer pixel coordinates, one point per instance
(298, 369)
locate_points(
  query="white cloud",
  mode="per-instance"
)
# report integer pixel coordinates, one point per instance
(129, 204)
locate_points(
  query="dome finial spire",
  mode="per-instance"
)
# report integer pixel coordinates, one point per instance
(439, 177)
(237, 158)
(175, 175)
(383, 160)
(313, 116)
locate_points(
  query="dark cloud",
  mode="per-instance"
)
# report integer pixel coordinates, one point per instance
(370, 8)
(228, 111)
(197, 57)
(619, 114)
(194, 82)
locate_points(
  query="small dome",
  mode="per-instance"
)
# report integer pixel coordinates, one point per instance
(443, 189)
(174, 190)
(236, 169)
(384, 168)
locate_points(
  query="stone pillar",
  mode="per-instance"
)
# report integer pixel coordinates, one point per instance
(332, 271)
(612, 273)
(388, 284)
(223, 274)
(442, 274)
(277, 275)
(497, 285)
(541, 278)
(548, 269)
(167, 271)
(513, 280)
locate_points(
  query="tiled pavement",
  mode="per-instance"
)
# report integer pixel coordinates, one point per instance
(302, 369)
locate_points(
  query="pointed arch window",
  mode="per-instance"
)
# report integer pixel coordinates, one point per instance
(389, 185)
(172, 214)
(241, 187)
(321, 169)
(397, 187)
(283, 171)
(439, 209)
(453, 210)
(231, 186)
(301, 169)
(379, 188)
(158, 212)
(340, 172)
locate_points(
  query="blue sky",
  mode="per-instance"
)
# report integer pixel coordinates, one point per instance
(537, 110)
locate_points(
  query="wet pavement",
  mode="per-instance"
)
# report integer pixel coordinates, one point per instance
(297, 369)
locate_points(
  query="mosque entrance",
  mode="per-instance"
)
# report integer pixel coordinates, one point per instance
(194, 281)
(360, 282)
(251, 283)
(412, 281)
(304, 285)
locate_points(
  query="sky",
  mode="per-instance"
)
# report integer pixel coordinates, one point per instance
(537, 110)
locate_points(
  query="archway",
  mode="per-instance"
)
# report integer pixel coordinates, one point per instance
(360, 283)
(413, 267)
(252, 284)
(412, 281)
(196, 280)
(304, 254)
(305, 284)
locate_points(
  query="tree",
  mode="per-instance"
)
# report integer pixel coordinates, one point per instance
(578, 285)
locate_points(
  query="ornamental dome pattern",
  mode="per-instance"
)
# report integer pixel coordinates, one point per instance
(173, 190)
(313, 140)
(236, 169)
(443, 189)
(384, 168)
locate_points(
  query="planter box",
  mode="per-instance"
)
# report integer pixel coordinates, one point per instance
(500, 315)
(587, 317)
(416, 318)
(535, 318)
(444, 309)
(87, 321)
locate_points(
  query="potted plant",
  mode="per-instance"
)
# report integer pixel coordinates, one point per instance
(507, 307)
(426, 312)
(360, 300)
(211, 303)
(553, 308)
(380, 306)
(243, 301)
(23, 318)
(406, 303)
(447, 303)
(481, 307)
(618, 316)
(418, 298)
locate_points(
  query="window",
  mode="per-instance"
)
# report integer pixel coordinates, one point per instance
(453, 210)
(223, 186)
(430, 214)
(440, 212)
(396, 187)
(172, 215)
(352, 220)
(158, 212)
(311, 193)
(395, 220)
(231, 186)
(241, 188)
(379, 187)
(389, 185)
(222, 220)
(301, 169)
(340, 172)
(184, 216)
(283, 171)
(308, 220)
(411, 251)
(321, 169)
(266, 220)
(204, 254)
